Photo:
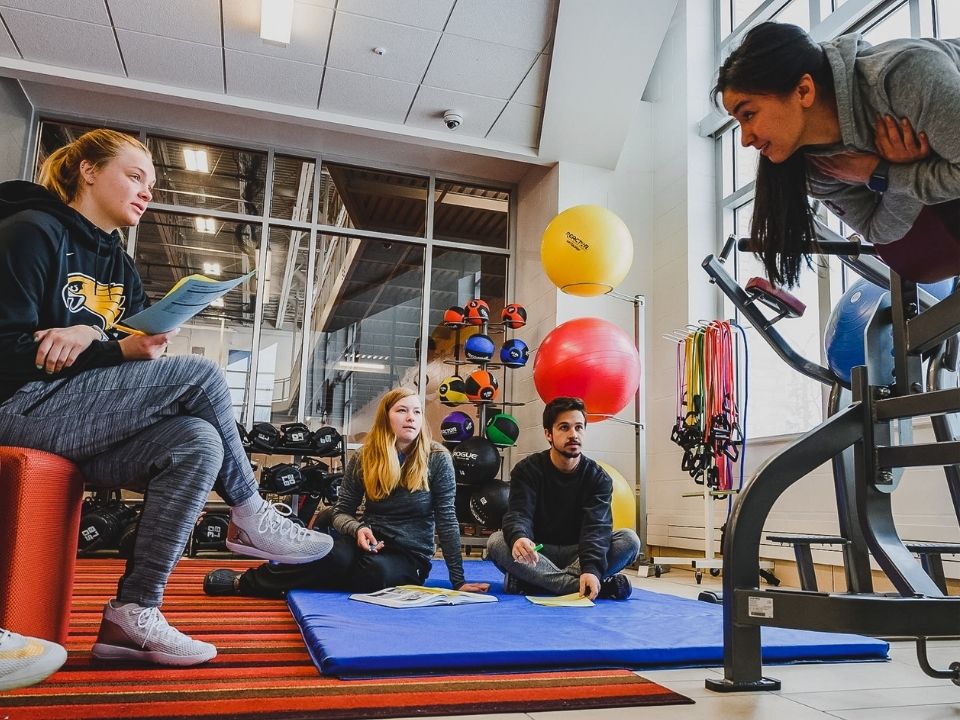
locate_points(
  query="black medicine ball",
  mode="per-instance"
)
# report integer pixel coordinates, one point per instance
(488, 503)
(475, 461)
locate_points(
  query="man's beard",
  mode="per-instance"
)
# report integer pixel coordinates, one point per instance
(569, 454)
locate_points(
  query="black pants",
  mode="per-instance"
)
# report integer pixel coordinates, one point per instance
(346, 567)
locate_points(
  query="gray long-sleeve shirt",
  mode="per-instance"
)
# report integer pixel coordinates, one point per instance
(407, 519)
(914, 78)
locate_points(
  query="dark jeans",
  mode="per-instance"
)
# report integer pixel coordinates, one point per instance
(346, 567)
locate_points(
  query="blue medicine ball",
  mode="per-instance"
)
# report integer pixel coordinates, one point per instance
(478, 347)
(514, 353)
(843, 340)
(456, 427)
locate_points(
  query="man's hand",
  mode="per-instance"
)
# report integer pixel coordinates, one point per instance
(523, 551)
(589, 586)
(367, 542)
(897, 142)
(852, 167)
(59, 347)
(474, 587)
(145, 347)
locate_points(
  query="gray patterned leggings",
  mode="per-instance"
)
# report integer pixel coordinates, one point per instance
(162, 427)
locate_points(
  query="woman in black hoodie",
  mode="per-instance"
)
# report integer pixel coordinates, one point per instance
(71, 384)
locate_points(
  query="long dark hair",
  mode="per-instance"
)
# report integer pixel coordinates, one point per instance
(770, 61)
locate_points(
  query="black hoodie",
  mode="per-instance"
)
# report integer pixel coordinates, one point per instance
(57, 269)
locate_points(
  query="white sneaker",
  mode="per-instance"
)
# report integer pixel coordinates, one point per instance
(267, 534)
(27, 660)
(134, 632)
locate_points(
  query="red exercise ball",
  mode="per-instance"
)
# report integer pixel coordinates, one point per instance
(591, 359)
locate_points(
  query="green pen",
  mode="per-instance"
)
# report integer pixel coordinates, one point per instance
(538, 547)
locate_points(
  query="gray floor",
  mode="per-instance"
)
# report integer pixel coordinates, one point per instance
(897, 690)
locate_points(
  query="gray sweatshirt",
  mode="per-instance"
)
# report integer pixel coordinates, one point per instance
(914, 78)
(407, 519)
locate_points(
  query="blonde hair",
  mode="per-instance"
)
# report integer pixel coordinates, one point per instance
(60, 172)
(379, 463)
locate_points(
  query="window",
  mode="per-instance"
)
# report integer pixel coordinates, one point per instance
(783, 401)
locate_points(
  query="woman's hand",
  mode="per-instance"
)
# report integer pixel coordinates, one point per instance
(59, 347)
(367, 542)
(851, 167)
(474, 587)
(145, 347)
(897, 142)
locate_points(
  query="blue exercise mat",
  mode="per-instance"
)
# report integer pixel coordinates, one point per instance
(650, 630)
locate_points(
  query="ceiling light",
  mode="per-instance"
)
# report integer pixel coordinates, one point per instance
(217, 303)
(205, 225)
(276, 20)
(196, 160)
(211, 268)
(360, 366)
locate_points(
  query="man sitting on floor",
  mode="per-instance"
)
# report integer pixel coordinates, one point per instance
(560, 499)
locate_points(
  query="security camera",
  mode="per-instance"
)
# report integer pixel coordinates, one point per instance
(453, 119)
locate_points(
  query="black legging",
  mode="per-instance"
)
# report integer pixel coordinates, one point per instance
(343, 568)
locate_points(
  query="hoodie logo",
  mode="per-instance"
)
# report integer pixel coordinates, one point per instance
(84, 293)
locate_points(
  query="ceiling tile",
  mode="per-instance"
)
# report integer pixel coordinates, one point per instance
(7, 48)
(70, 43)
(478, 112)
(428, 14)
(366, 96)
(192, 20)
(528, 24)
(408, 49)
(478, 67)
(308, 41)
(172, 62)
(519, 124)
(534, 85)
(92, 11)
(265, 78)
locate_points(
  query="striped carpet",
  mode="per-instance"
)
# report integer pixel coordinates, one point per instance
(263, 670)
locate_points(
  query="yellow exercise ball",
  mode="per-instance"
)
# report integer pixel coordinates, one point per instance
(624, 504)
(586, 250)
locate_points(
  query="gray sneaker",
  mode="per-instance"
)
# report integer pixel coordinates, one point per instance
(27, 660)
(134, 632)
(268, 535)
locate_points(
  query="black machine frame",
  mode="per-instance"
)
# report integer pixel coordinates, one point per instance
(867, 440)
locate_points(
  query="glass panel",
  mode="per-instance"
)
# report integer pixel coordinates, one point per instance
(364, 330)
(826, 7)
(471, 214)
(201, 176)
(781, 401)
(54, 135)
(281, 333)
(373, 200)
(726, 164)
(797, 12)
(725, 16)
(745, 161)
(948, 18)
(292, 196)
(170, 247)
(457, 278)
(895, 25)
(743, 8)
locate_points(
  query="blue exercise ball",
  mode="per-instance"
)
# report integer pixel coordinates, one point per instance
(843, 340)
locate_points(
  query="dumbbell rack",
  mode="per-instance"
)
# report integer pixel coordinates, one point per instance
(479, 541)
(297, 457)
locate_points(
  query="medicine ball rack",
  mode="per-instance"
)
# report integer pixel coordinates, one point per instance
(478, 540)
(919, 609)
